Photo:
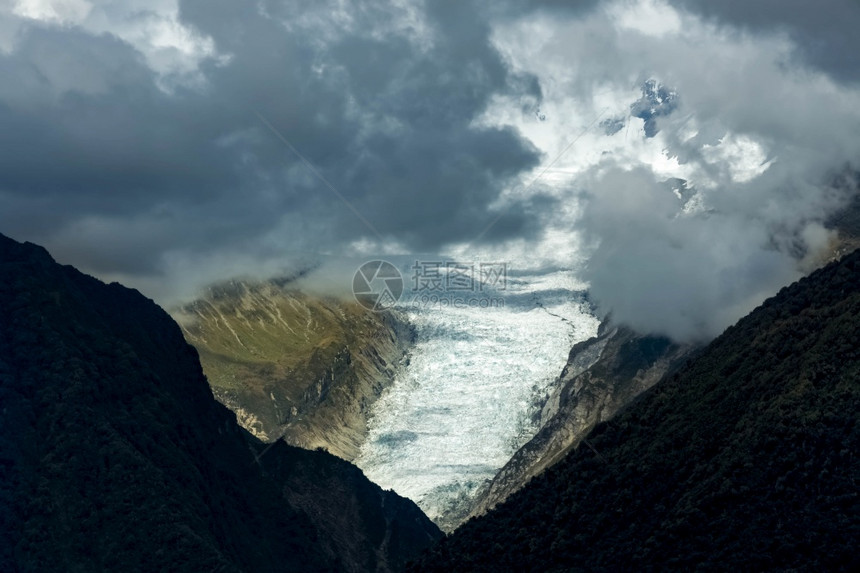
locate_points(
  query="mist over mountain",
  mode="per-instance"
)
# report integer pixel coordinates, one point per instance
(689, 268)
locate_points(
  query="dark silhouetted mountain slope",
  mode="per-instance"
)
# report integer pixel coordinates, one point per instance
(747, 458)
(115, 456)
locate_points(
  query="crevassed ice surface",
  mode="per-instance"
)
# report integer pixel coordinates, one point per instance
(466, 401)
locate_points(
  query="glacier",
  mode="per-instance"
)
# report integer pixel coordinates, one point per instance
(468, 398)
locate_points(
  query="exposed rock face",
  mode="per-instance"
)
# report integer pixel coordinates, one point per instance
(602, 375)
(294, 366)
(115, 456)
(846, 222)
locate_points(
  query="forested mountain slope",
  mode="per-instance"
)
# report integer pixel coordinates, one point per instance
(114, 455)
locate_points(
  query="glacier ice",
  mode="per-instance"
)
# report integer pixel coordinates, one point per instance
(466, 401)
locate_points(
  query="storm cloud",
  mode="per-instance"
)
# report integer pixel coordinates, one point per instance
(115, 163)
(824, 33)
(169, 141)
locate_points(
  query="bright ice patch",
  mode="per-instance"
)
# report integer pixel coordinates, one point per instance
(465, 402)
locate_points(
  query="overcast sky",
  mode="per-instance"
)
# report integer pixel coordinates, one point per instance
(167, 143)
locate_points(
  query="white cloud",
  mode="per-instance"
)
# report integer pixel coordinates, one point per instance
(755, 131)
(171, 49)
(62, 11)
(649, 17)
(743, 157)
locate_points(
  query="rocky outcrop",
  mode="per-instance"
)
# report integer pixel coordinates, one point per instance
(602, 375)
(115, 456)
(845, 222)
(292, 365)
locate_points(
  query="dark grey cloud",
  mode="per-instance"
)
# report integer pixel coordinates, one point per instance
(87, 134)
(91, 145)
(825, 32)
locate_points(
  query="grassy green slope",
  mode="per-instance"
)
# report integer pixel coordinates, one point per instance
(291, 364)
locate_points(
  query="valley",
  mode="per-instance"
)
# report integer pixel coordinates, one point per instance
(430, 402)
(117, 457)
(456, 409)
(660, 448)
(396, 286)
(746, 456)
